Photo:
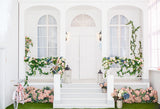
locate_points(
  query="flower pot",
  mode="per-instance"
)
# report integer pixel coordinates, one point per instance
(104, 90)
(119, 104)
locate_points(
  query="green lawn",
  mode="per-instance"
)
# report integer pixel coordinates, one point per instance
(49, 106)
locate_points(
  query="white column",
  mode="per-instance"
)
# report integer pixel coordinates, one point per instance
(104, 33)
(21, 42)
(57, 92)
(2, 78)
(110, 88)
(145, 43)
(62, 26)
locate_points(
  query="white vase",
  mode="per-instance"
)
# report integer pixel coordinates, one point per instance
(119, 103)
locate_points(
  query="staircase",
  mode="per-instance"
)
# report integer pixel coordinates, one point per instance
(82, 95)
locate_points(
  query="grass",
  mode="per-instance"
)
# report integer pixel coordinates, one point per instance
(49, 106)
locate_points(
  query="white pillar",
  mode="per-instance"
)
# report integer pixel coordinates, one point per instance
(110, 88)
(104, 33)
(2, 78)
(62, 45)
(57, 87)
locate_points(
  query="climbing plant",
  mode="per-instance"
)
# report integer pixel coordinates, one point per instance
(28, 43)
(133, 38)
(127, 65)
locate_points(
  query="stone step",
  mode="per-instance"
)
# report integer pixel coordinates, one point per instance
(80, 85)
(84, 105)
(81, 90)
(84, 95)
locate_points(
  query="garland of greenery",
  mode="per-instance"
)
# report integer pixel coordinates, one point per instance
(56, 64)
(131, 66)
(133, 38)
(127, 65)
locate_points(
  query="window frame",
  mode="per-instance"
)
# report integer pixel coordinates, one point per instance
(47, 25)
(118, 25)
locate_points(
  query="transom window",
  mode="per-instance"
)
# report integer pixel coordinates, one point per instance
(47, 36)
(119, 36)
(83, 20)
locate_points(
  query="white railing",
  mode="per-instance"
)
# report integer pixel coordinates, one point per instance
(57, 91)
(110, 88)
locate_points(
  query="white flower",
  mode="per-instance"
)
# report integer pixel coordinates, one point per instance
(119, 95)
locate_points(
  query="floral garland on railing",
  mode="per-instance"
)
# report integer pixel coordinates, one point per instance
(56, 64)
(127, 65)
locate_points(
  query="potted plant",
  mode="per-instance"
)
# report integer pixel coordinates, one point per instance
(104, 87)
(119, 96)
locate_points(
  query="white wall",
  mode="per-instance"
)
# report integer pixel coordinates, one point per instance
(154, 80)
(9, 33)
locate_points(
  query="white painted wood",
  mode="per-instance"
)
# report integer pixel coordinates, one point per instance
(110, 87)
(2, 79)
(154, 79)
(83, 95)
(57, 91)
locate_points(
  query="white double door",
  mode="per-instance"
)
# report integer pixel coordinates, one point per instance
(83, 54)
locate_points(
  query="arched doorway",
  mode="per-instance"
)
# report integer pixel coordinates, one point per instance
(82, 49)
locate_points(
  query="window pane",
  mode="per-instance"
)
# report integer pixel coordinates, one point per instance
(124, 52)
(42, 42)
(52, 52)
(43, 20)
(154, 59)
(114, 20)
(123, 20)
(124, 32)
(42, 31)
(42, 52)
(52, 42)
(114, 43)
(52, 32)
(113, 32)
(114, 52)
(51, 20)
(124, 37)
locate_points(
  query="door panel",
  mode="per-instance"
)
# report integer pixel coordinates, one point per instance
(83, 54)
(88, 57)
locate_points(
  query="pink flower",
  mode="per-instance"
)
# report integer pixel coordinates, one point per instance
(141, 60)
(137, 92)
(138, 100)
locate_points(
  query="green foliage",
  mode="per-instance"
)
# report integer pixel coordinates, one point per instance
(56, 64)
(28, 43)
(133, 38)
(127, 65)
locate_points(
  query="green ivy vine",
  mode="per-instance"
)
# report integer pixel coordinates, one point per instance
(127, 65)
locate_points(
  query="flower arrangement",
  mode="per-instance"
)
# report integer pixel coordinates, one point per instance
(120, 95)
(127, 65)
(103, 85)
(37, 64)
(28, 43)
(148, 95)
(56, 64)
(34, 95)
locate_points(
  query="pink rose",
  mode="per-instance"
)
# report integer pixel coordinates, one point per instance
(137, 92)
(138, 100)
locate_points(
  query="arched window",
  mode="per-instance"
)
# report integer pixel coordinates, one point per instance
(83, 20)
(47, 36)
(119, 36)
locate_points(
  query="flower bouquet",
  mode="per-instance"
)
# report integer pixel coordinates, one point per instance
(119, 96)
(104, 87)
